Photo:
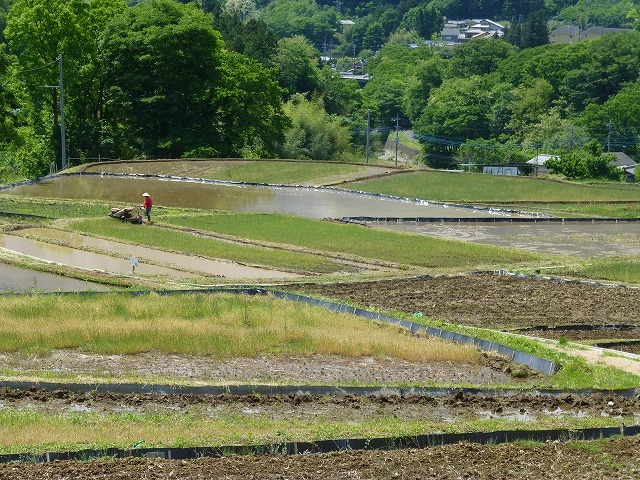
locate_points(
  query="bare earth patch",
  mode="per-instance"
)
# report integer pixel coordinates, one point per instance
(315, 369)
(492, 301)
(618, 459)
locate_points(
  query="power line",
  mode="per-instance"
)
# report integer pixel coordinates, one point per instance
(38, 68)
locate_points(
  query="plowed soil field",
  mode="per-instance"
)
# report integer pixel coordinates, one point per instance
(614, 460)
(480, 300)
(493, 301)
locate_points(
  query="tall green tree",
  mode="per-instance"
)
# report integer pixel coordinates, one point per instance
(590, 162)
(297, 61)
(555, 134)
(248, 106)
(341, 97)
(423, 19)
(426, 76)
(619, 115)
(8, 102)
(39, 31)
(5, 6)
(174, 90)
(289, 18)
(457, 111)
(252, 38)
(478, 57)
(534, 31)
(89, 133)
(394, 72)
(161, 59)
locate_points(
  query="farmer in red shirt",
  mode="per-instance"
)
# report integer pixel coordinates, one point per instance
(147, 204)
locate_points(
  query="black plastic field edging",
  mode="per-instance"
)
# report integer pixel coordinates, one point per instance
(536, 363)
(326, 446)
(485, 220)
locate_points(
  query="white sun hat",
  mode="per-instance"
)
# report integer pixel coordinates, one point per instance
(145, 194)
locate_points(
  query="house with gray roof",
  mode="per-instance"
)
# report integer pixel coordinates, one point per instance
(596, 32)
(566, 34)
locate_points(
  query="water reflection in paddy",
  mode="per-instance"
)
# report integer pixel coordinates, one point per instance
(197, 264)
(80, 258)
(306, 202)
(15, 279)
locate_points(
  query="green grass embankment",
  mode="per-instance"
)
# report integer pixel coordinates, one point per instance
(228, 325)
(616, 269)
(283, 172)
(373, 243)
(32, 431)
(487, 189)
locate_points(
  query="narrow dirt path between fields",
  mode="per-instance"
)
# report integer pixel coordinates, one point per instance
(595, 356)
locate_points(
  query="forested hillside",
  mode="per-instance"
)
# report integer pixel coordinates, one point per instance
(246, 78)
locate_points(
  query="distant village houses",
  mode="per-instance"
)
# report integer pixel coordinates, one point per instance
(461, 31)
(455, 32)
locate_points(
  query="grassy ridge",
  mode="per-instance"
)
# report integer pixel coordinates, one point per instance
(283, 172)
(52, 208)
(402, 248)
(480, 188)
(32, 431)
(617, 269)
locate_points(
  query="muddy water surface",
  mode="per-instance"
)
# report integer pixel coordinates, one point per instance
(15, 279)
(188, 262)
(305, 202)
(576, 239)
(80, 258)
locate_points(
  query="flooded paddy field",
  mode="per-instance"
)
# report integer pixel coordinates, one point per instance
(81, 259)
(307, 202)
(20, 280)
(576, 239)
(182, 263)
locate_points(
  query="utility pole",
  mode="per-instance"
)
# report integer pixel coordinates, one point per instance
(368, 133)
(63, 136)
(609, 138)
(354, 58)
(397, 135)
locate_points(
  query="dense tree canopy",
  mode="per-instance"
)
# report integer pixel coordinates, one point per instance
(160, 60)
(289, 18)
(211, 78)
(315, 134)
(297, 62)
(479, 57)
